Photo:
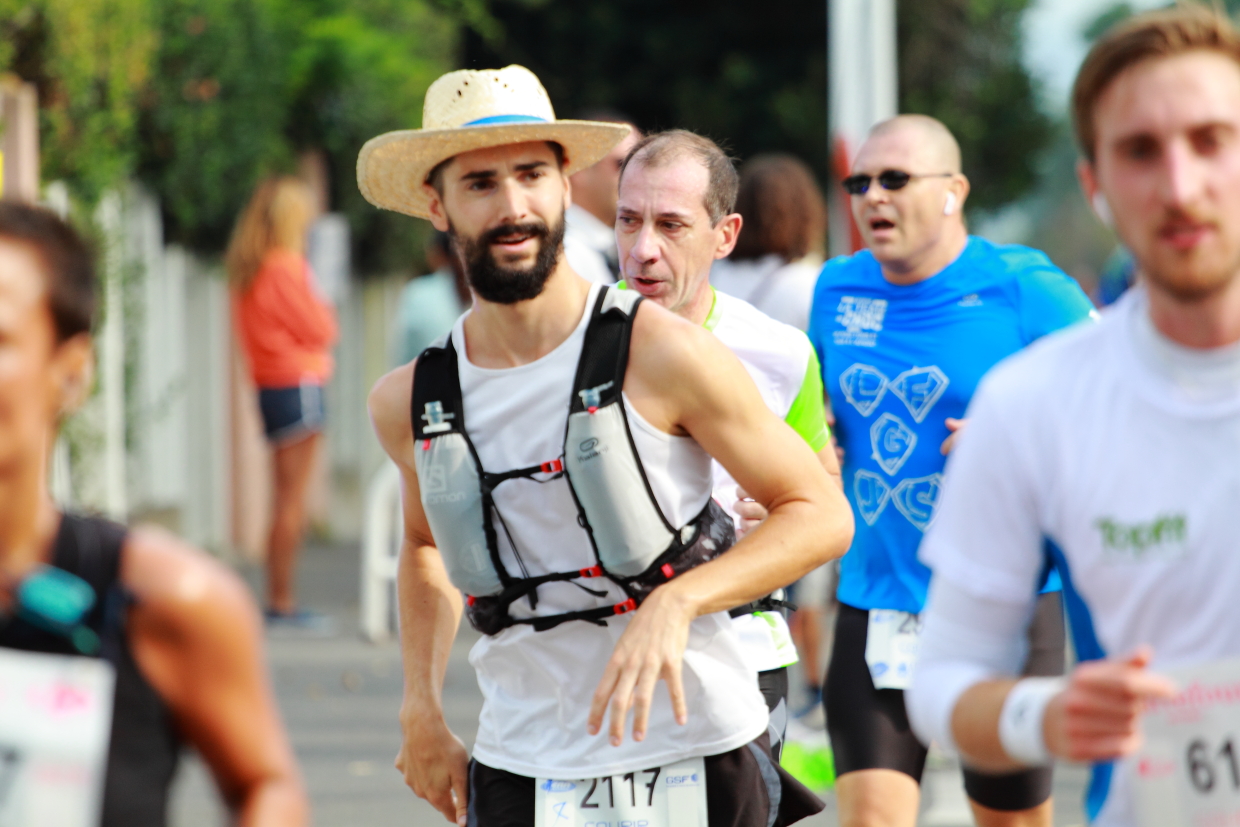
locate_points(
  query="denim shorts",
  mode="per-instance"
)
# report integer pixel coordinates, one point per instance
(291, 413)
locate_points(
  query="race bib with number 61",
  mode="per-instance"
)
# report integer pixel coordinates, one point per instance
(55, 721)
(891, 647)
(1187, 774)
(671, 796)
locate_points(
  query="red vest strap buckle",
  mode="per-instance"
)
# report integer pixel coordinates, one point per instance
(625, 607)
(555, 466)
(470, 600)
(426, 445)
(593, 571)
(668, 571)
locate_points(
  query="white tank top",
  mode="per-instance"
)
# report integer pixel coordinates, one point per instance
(537, 686)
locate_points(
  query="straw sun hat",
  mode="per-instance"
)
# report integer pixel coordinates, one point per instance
(469, 110)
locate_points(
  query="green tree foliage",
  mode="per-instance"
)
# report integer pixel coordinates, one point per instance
(960, 62)
(362, 68)
(754, 80)
(90, 62)
(214, 115)
(242, 87)
(200, 98)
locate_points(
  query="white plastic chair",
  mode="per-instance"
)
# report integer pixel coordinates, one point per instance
(381, 540)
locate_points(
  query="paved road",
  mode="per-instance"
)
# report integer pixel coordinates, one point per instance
(340, 697)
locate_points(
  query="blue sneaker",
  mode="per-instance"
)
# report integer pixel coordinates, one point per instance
(811, 713)
(302, 620)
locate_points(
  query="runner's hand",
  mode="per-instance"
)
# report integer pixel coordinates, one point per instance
(435, 765)
(751, 512)
(651, 648)
(955, 426)
(1097, 717)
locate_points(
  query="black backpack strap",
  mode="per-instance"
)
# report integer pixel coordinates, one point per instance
(605, 351)
(763, 604)
(91, 548)
(436, 407)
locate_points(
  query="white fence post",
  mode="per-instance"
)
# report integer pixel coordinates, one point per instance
(112, 358)
(382, 534)
(862, 79)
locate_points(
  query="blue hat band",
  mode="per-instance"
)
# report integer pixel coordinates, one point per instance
(494, 119)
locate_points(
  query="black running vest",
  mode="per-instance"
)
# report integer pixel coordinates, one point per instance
(634, 544)
(144, 747)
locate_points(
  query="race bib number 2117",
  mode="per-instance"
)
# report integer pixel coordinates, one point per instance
(671, 796)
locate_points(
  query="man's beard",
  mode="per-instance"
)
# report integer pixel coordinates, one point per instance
(1195, 276)
(499, 284)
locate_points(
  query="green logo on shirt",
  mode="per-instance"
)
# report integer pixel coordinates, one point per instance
(1162, 538)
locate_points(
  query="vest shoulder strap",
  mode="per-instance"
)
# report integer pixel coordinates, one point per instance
(436, 407)
(605, 351)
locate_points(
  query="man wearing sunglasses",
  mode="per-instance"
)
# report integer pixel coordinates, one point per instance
(905, 329)
(116, 646)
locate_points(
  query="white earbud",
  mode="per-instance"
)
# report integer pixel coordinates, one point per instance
(949, 205)
(1103, 209)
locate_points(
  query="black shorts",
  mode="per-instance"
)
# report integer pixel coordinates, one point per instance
(744, 788)
(869, 727)
(774, 687)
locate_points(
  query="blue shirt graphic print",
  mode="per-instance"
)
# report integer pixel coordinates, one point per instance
(899, 360)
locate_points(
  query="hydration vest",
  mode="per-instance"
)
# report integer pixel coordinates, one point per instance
(634, 544)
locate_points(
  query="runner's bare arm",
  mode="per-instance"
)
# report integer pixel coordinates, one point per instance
(1095, 718)
(432, 759)
(752, 512)
(683, 380)
(196, 635)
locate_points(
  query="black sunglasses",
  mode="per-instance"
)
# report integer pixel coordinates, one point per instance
(888, 179)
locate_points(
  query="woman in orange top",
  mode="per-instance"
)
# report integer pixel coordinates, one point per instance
(287, 330)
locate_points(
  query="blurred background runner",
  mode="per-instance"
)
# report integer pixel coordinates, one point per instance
(779, 253)
(905, 329)
(429, 304)
(774, 268)
(589, 237)
(287, 329)
(1120, 442)
(178, 632)
(663, 176)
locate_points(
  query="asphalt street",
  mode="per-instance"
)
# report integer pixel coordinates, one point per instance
(340, 695)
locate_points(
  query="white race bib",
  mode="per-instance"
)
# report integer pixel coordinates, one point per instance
(671, 796)
(891, 647)
(1187, 774)
(55, 722)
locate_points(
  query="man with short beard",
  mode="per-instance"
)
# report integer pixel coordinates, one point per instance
(554, 456)
(497, 283)
(1118, 441)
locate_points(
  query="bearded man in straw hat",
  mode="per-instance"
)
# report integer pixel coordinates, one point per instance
(554, 453)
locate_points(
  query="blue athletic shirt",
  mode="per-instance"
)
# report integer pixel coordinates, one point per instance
(899, 360)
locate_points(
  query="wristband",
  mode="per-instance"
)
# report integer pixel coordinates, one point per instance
(1020, 722)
